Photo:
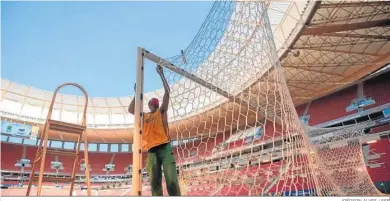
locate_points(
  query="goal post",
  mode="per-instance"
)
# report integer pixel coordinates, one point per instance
(138, 126)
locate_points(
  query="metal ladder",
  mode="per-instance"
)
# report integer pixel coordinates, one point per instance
(63, 127)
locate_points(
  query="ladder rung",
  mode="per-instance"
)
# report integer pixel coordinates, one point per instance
(66, 127)
(61, 152)
(54, 179)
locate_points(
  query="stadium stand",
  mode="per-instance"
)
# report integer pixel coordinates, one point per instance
(30, 154)
(378, 88)
(379, 166)
(67, 163)
(322, 110)
(301, 109)
(122, 161)
(10, 153)
(332, 106)
(381, 128)
(98, 162)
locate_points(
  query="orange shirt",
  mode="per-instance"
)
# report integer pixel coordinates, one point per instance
(153, 132)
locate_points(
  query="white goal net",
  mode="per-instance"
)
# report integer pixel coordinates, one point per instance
(237, 129)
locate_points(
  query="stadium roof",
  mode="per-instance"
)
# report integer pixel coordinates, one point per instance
(323, 46)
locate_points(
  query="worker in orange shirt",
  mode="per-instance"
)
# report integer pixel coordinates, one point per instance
(156, 141)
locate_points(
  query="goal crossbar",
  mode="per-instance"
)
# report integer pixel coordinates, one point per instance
(164, 63)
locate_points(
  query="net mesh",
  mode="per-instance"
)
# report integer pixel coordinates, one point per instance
(338, 151)
(240, 134)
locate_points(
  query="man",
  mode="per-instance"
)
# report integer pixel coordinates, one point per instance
(155, 140)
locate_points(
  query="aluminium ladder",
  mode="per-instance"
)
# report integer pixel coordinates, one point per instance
(68, 128)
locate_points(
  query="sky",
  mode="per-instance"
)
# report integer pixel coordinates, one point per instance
(94, 44)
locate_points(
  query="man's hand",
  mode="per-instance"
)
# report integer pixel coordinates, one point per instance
(159, 70)
(132, 103)
(164, 105)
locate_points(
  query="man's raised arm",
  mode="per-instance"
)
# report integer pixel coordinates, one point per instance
(132, 104)
(164, 105)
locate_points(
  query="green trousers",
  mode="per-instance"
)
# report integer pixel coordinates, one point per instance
(162, 155)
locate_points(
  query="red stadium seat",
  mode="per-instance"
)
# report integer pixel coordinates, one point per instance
(382, 173)
(10, 154)
(378, 89)
(122, 161)
(332, 106)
